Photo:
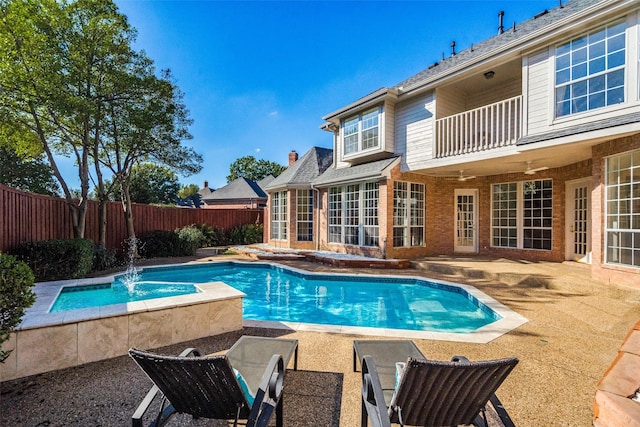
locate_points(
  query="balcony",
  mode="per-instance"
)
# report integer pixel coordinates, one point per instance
(481, 129)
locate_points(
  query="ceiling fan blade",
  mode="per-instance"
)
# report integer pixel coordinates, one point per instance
(534, 170)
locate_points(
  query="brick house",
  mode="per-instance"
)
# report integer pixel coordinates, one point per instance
(524, 146)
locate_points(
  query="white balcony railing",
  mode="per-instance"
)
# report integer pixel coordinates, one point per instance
(491, 126)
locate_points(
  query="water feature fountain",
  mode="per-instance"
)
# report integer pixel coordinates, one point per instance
(130, 277)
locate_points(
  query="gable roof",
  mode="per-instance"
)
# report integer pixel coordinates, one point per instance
(365, 171)
(265, 181)
(241, 188)
(304, 170)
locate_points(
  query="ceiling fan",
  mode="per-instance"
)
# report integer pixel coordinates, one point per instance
(532, 171)
(462, 177)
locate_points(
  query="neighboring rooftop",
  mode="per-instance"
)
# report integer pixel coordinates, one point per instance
(241, 188)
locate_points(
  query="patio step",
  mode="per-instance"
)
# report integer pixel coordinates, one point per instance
(506, 274)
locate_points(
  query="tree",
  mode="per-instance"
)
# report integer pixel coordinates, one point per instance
(57, 59)
(26, 174)
(148, 126)
(255, 170)
(188, 190)
(69, 75)
(153, 184)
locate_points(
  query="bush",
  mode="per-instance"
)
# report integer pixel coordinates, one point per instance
(246, 234)
(104, 258)
(159, 243)
(191, 238)
(212, 236)
(16, 281)
(58, 259)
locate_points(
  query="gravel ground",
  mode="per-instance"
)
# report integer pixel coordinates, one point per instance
(575, 328)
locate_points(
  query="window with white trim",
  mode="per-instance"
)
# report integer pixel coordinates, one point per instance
(361, 132)
(522, 214)
(370, 214)
(408, 214)
(622, 209)
(279, 215)
(590, 70)
(335, 215)
(304, 215)
(353, 214)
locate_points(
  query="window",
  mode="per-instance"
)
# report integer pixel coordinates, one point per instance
(590, 71)
(279, 215)
(622, 201)
(304, 214)
(361, 132)
(370, 214)
(353, 214)
(522, 214)
(408, 214)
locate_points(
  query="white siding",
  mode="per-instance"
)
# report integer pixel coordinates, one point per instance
(414, 133)
(509, 89)
(388, 123)
(538, 92)
(451, 100)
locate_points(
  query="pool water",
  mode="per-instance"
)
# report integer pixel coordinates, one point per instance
(278, 294)
(76, 297)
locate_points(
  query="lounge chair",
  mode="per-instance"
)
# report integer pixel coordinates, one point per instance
(435, 393)
(210, 387)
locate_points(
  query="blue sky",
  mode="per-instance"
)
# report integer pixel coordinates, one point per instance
(259, 75)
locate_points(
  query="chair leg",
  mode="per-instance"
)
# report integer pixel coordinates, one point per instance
(279, 412)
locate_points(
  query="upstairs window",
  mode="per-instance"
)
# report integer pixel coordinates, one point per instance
(590, 71)
(361, 132)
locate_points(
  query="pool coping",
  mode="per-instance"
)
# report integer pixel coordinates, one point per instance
(38, 315)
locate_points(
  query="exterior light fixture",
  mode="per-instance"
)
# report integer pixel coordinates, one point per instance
(489, 75)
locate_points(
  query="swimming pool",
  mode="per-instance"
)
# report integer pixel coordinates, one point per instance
(275, 293)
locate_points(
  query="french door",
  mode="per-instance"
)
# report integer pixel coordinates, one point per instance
(578, 221)
(466, 221)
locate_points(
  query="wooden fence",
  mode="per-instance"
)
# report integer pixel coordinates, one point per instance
(27, 217)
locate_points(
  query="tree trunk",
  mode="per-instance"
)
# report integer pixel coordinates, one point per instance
(128, 217)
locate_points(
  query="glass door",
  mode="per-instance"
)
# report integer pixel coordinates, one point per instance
(466, 221)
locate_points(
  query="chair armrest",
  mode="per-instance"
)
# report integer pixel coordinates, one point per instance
(190, 352)
(373, 404)
(269, 393)
(460, 359)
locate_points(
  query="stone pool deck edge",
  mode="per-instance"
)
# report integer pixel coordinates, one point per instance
(50, 341)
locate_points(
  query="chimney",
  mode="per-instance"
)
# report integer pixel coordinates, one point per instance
(206, 184)
(293, 157)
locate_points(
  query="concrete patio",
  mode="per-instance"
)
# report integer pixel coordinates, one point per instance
(575, 328)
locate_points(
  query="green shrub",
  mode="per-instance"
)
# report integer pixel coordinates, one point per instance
(191, 238)
(104, 258)
(159, 243)
(246, 234)
(212, 236)
(58, 259)
(16, 281)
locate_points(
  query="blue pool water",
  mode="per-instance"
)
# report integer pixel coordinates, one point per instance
(278, 294)
(75, 297)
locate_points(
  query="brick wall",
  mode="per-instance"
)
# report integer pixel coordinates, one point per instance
(600, 271)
